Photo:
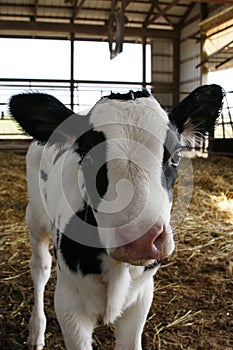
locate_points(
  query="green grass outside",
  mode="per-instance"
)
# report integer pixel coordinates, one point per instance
(9, 127)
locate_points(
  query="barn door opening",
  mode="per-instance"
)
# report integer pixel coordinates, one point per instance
(217, 63)
(221, 139)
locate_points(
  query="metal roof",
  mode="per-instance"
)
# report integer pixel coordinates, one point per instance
(88, 19)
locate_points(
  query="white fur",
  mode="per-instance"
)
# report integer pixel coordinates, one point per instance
(123, 293)
(135, 132)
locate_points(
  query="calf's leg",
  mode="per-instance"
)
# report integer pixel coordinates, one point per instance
(129, 327)
(76, 322)
(40, 270)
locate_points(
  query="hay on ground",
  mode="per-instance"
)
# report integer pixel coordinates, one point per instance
(192, 306)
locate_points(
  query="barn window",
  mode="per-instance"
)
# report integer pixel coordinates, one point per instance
(92, 63)
(41, 59)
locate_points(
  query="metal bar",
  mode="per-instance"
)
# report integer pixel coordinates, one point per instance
(223, 62)
(213, 54)
(223, 126)
(144, 62)
(229, 114)
(78, 81)
(80, 29)
(219, 31)
(72, 71)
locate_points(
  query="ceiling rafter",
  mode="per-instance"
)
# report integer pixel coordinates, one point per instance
(123, 4)
(127, 2)
(35, 9)
(185, 15)
(82, 29)
(225, 51)
(77, 8)
(214, 1)
(162, 12)
(139, 14)
(151, 11)
(157, 7)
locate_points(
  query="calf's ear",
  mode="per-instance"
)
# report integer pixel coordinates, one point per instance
(198, 112)
(38, 114)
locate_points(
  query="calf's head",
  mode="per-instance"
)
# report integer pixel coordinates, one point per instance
(127, 150)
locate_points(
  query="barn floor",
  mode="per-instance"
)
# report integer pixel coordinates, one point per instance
(193, 305)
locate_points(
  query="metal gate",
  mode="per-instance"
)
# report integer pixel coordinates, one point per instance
(221, 139)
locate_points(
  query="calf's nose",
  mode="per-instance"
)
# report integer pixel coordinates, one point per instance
(148, 246)
(126, 236)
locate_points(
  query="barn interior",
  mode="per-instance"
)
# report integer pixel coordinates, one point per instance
(187, 40)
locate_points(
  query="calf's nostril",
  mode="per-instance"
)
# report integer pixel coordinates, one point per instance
(159, 240)
(156, 231)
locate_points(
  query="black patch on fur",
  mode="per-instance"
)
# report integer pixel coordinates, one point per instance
(45, 196)
(93, 163)
(169, 172)
(156, 263)
(131, 95)
(199, 109)
(77, 255)
(43, 175)
(38, 114)
(55, 252)
(82, 227)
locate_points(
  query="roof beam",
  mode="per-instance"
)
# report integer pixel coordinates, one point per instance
(79, 29)
(35, 9)
(151, 11)
(157, 7)
(215, 2)
(217, 19)
(224, 62)
(127, 2)
(163, 12)
(214, 54)
(186, 14)
(77, 8)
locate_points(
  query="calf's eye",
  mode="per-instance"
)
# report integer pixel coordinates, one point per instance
(175, 158)
(82, 155)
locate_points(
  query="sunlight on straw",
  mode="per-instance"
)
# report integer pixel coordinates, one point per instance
(225, 204)
(181, 320)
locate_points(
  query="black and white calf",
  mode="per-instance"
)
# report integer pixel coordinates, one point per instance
(101, 186)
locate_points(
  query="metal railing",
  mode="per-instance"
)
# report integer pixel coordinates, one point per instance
(77, 95)
(84, 95)
(224, 127)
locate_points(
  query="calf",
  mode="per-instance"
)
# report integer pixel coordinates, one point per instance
(101, 186)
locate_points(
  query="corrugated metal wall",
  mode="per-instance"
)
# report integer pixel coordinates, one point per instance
(190, 53)
(174, 72)
(162, 51)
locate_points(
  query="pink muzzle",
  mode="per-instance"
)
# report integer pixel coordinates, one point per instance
(140, 251)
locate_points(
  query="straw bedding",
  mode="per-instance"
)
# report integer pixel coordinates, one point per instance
(192, 306)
